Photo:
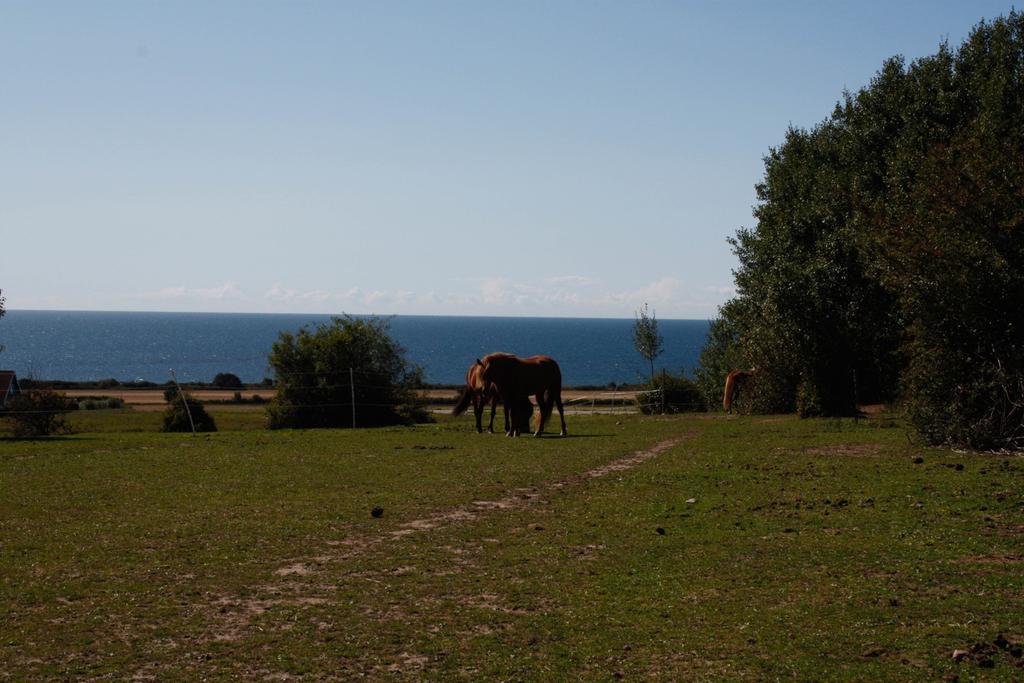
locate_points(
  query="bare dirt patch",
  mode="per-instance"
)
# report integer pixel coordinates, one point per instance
(235, 615)
(408, 662)
(847, 450)
(992, 559)
(298, 569)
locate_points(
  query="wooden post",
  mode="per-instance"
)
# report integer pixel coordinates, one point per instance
(352, 386)
(663, 391)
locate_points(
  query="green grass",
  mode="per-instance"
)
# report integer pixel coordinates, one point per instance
(811, 550)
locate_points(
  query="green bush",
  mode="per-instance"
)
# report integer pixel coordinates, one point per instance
(808, 400)
(315, 367)
(227, 380)
(176, 417)
(100, 403)
(973, 402)
(39, 412)
(681, 396)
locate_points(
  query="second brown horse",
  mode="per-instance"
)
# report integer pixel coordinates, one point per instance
(515, 378)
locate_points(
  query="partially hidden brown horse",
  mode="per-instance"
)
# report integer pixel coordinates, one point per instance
(735, 383)
(478, 394)
(515, 378)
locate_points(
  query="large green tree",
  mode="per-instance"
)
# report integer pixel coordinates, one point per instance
(806, 313)
(319, 370)
(888, 250)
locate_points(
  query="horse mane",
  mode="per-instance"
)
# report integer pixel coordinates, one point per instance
(474, 381)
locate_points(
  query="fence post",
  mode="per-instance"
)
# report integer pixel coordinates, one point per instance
(352, 386)
(663, 391)
(856, 399)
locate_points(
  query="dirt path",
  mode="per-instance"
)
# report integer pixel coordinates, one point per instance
(232, 616)
(525, 497)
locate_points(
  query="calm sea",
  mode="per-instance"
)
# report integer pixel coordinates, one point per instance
(89, 345)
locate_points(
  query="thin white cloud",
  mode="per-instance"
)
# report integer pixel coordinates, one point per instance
(495, 291)
(667, 290)
(571, 280)
(562, 295)
(279, 293)
(226, 291)
(727, 290)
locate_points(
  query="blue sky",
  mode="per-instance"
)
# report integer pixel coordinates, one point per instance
(467, 158)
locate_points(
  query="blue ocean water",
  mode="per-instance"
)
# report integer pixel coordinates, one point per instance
(91, 345)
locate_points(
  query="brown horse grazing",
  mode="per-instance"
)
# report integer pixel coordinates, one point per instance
(514, 378)
(478, 394)
(735, 382)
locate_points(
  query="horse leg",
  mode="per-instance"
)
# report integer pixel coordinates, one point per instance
(542, 409)
(561, 414)
(494, 408)
(478, 411)
(510, 418)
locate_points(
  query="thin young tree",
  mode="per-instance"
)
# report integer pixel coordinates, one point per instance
(2, 311)
(646, 339)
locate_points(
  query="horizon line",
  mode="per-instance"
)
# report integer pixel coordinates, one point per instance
(339, 314)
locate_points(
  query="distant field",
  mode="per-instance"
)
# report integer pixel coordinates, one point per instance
(685, 548)
(153, 399)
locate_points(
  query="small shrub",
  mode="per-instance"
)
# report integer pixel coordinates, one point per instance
(808, 400)
(256, 398)
(176, 416)
(39, 413)
(100, 403)
(227, 380)
(974, 402)
(681, 396)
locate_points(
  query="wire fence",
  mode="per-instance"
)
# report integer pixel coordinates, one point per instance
(358, 394)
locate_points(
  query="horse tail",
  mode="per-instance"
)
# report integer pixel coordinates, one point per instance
(727, 395)
(464, 401)
(545, 407)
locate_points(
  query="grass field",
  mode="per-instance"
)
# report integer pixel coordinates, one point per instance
(684, 548)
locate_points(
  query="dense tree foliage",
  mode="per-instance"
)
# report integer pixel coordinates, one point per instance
(887, 256)
(315, 369)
